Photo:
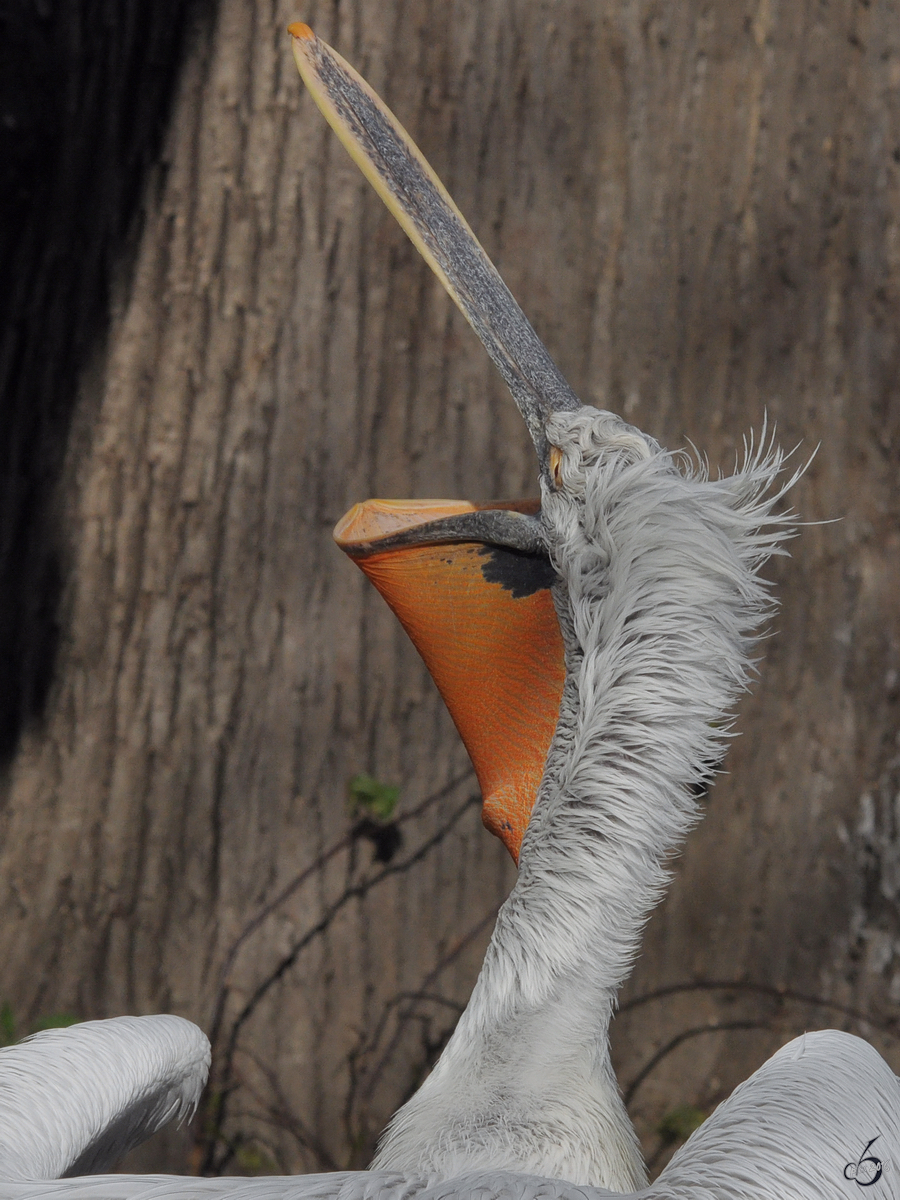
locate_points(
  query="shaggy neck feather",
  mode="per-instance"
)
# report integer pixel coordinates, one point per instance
(659, 600)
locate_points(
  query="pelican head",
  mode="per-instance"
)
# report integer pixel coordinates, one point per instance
(501, 668)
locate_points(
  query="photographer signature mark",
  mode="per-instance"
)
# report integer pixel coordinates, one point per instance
(867, 1168)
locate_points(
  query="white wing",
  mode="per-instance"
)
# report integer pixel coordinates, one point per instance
(75, 1100)
(797, 1129)
(800, 1128)
(820, 1120)
(340, 1185)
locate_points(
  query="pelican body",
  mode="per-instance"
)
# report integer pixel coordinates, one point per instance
(645, 599)
(773, 1139)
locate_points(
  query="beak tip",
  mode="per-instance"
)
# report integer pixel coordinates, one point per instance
(297, 29)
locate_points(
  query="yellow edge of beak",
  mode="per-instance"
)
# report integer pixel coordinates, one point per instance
(310, 53)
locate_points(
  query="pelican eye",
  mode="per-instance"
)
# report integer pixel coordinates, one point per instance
(556, 465)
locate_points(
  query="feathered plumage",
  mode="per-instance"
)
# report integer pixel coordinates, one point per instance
(75, 1100)
(659, 597)
(773, 1139)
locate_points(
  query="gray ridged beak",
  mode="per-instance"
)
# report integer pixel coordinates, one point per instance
(396, 168)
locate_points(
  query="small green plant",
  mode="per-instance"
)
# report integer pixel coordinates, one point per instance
(7, 1025)
(679, 1123)
(372, 806)
(212, 1112)
(60, 1020)
(374, 799)
(8, 1031)
(254, 1161)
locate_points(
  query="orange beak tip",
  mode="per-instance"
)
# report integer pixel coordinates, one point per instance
(298, 30)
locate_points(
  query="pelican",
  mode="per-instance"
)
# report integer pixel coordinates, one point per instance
(653, 572)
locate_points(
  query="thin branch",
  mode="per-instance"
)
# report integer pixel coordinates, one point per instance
(368, 1045)
(280, 1116)
(355, 892)
(391, 1003)
(441, 965)
(429, 998)
(761, 989)
(294, 885)
(684, 1036)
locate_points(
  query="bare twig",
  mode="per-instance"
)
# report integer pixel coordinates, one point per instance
(351, 892)
(369, 1045)
(441, 965)
(684, 1036)
(281, 1117)
(761, 989)
(294, 885)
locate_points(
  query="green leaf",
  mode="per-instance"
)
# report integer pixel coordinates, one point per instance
(7, 1025)
(60, 1020)
(679, 1123)
(254, 1161)
(368, 795)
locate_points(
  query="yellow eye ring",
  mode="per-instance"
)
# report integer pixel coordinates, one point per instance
(556, 465)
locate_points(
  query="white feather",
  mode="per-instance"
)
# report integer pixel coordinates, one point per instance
(74, 1101)
(659, 600)
(795, 1130)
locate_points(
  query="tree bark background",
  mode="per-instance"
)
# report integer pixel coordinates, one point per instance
(699, 208)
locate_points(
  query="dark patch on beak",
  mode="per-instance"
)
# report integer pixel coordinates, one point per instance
(520, 574)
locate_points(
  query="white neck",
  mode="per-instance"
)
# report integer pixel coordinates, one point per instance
(658, 603)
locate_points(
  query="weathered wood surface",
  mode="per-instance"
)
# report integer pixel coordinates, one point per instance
(698, 207)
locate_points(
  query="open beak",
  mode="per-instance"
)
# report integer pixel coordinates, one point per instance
(482, 617)
(470, 582)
